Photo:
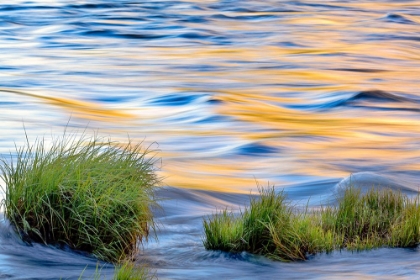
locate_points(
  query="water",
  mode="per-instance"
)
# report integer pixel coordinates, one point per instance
(300, 94)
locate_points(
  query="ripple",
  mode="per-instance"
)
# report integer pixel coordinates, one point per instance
(254, 149)
(398, 18)
(378, 95)
(368, 180)
(114, 34)
(176, 100)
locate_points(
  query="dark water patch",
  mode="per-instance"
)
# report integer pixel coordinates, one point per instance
(118, 17)
(321, 7)
(140, 36)
(8, 68)
(397, 18)
(214, 101)
(113, 99)
(194, 35)
(98, 5)
(114, 34)
(278, 10)
(176, 100)
(290, 44)
(393, 37)
(378, 95)
(408, 38)
(255, 149)
(194, 19)
(368, 99)
(162, 17)
(244, 18)
(360, 70)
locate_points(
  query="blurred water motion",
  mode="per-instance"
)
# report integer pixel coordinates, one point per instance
(295, 93)
(231, 91)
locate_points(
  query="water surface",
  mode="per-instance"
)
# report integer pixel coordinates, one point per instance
(300, 94)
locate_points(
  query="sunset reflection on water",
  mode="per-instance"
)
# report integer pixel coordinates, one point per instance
(278, 93)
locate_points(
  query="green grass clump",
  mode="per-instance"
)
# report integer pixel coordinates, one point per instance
(224, 232)
(129, 271)
(273, 228)
(123, 271)
(366, 221)
(86, 192)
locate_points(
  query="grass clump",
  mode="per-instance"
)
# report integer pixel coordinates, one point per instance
(366, 221)
(88, 193)
(273, 228)
(224, 232)
(129, 271)
(123, 271)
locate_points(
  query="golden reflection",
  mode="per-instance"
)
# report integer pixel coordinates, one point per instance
(308, 143)
(216, 175)
(77, 108)
(285, 82)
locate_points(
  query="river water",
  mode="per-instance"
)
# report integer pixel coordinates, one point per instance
(230, 94)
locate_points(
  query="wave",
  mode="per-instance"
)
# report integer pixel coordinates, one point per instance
(254, 149)
(368, 180)
(378, 95)
(398, 18)
(374, 98)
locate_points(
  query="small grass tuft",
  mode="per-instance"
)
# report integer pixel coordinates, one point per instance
(88, 193)
(129, 271)
(123, 271)
(224, 232)
(271, 227)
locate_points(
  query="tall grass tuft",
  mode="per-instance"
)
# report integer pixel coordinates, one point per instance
(268, 209)
(271, 227)
(365, 221)
(88, 193)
